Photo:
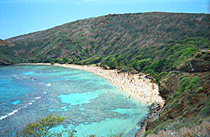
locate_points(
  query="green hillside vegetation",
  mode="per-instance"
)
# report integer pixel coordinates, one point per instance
(171, 48)
(83, 41)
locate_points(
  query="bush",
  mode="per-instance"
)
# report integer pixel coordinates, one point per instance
(87, 63)
(164, 80)
(183, 84)
(178, 62)
(199, 89)
(140, 64)
(52, 62)
(70, 60)
(152, 66)
(148, 132)
(206, 110)
(175, 95)
(103, 66)
(159, 66)
(161, 126)
(193, 82)
(189, 52)
(161, 75)
(112, 63)
(42, 127)
(187, 83)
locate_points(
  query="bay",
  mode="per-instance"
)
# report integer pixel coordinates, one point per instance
(90, 103)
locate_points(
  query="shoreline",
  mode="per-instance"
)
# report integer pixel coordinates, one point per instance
(134, 86)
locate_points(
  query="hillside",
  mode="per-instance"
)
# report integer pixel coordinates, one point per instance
(170, 47)
(106, 35)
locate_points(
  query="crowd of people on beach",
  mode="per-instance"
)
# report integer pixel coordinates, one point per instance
(135, 86)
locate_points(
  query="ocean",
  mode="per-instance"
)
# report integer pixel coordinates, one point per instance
(90, 103)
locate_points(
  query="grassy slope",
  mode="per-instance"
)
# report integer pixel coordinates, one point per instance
(108, 35)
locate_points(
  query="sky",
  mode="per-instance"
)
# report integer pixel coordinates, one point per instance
(18, 17)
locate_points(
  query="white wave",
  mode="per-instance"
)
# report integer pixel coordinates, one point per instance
(37, 97)
(12, 113)
(41, 83)
(2, 117)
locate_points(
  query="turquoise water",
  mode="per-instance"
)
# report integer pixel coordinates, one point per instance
(90, 103)
(16, 102)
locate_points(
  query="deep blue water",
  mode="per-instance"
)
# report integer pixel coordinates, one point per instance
(89, 102)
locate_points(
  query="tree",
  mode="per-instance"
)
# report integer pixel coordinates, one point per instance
(119, 59)
(42, 127)
(112, 63)
(140, 64)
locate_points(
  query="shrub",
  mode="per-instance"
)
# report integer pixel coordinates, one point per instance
(70, 60)
(193, 82)
(42, 127)
(159, 66)
(175, 95)
(147, 133)
(174, 102)
(206, 110)
(161, 126)
(135, 65)
(52, 62)
(183, 84)
(199, 89)
(140, 64)
(189, 52)
(112, 63)
(103, 66)
(164, 80)
(152, 66)
(87, 63)
(178, 62)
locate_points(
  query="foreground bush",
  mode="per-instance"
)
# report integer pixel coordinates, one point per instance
(43, 126)
(42, 129)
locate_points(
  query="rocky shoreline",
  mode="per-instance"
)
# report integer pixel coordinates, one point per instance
(155, 111)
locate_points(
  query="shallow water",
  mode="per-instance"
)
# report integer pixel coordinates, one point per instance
(90, 103)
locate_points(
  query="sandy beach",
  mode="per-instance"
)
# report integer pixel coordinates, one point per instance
(134, 86)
